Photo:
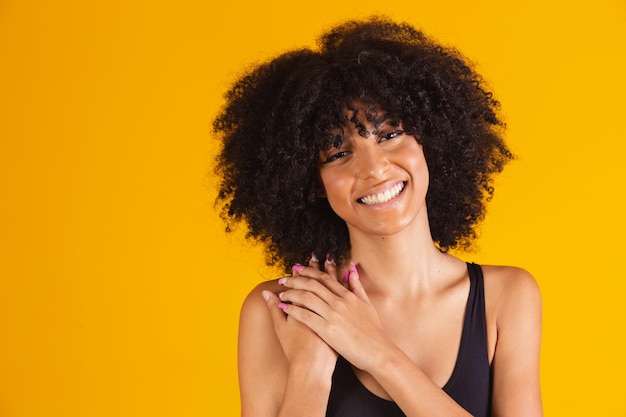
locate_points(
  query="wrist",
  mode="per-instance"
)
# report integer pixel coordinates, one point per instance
(387, 356)
(310, 370)
(307, 390)
(308, 387)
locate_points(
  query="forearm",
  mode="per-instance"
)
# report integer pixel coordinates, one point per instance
(411, 389)
(306, 391)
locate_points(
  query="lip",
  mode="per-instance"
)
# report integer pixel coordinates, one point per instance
(377, 191)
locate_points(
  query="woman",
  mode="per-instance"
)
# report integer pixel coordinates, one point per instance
(358, 166)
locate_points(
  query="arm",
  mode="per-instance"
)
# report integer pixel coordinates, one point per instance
(347, 321)
(514, 306)
(517, 303)
(284, 368)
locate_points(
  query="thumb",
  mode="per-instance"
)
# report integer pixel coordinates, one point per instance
(355, 283)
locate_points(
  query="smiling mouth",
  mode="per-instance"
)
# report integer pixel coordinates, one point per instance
(383, 197)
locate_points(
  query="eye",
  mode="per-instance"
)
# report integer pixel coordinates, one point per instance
(390, 135)
(336, 156)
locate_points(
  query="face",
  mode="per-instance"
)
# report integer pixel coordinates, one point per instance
(377, 180)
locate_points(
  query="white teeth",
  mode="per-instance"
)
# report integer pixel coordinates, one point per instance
(384, 196)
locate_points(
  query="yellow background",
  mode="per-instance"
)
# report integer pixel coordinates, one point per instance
(119, 290)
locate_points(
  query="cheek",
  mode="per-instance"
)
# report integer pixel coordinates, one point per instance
(418, 161)
(337, 189)
(332, 183)
(420, 166)
(423, 176)
(415, 164)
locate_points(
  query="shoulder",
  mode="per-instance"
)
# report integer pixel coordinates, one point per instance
(510, 292)
(513, 307)
(509, 281)
(254, 300)
(261, 362)
(255, 319)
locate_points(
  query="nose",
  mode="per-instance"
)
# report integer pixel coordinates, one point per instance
(371, 161)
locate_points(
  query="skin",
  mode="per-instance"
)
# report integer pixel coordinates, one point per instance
(386, 319)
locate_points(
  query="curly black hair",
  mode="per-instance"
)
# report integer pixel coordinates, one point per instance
(280, 115)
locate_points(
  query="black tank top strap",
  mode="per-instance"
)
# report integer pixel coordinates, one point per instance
(470, 383)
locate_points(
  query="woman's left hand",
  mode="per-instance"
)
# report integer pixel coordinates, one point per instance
(343, 317)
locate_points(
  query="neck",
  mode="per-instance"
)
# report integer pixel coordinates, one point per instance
(401, 264)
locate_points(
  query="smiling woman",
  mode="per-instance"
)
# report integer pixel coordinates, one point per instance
(377, 151)
(292, 107)
(376, 180)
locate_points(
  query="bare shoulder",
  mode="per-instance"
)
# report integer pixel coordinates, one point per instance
(255, 321)
(262, 364)
(254, 300)
(508, 281)
(510, 290)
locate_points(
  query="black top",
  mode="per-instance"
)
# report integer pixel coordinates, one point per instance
(469, 385)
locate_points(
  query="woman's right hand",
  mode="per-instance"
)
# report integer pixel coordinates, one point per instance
(285, 369)
(300, 343)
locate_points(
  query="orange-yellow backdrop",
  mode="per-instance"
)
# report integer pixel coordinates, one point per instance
(119, 290)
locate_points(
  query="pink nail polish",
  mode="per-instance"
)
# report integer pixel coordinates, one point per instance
(314, 257)
(282, 306)
(297, 268)
(346, 275)
(353, 268)
(282, 281)
(329, 259)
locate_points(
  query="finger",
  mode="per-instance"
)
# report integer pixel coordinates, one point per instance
(308, 271)
(331, 268)
(305, 316)
(329, 274)
(276, 312)
(296, 269)
(305, 299)
(311, 285)
(322, 285)
(330, 271)
(355, 284)
(314, 262)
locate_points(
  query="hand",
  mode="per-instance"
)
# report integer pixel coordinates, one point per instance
(299, 342)
(343, 317)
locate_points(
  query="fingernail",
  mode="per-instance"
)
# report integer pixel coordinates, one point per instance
(297, 268)
(280, 295)
(266, 295)
(346, 275)
(282, 306)
(353, 267)
(329, 259)
(314, 257)
(282, 281)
